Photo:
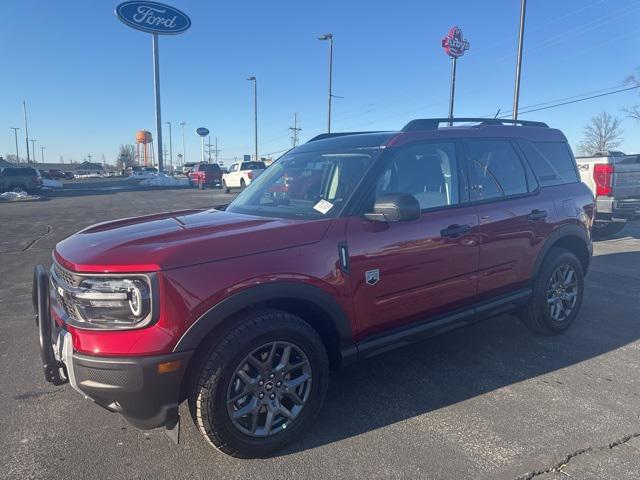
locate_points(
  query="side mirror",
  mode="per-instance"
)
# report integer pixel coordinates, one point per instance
(395, 207)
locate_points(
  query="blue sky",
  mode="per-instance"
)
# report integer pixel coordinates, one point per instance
(87, 77)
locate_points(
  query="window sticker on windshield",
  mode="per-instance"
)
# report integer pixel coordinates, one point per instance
(323, 206)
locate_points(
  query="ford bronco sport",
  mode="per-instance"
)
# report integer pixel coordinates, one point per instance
(346, 247)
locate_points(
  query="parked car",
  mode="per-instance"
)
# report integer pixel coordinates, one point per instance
(614, 179)
(186, 168)
(241, 174)
(204, 175)
(14, 179)
(381, 239)
(53, 174)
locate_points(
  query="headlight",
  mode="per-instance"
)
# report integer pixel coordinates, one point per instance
(112, 302)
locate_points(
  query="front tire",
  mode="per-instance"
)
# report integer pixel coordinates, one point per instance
(261, 386)
(224, 185)
(557, 293)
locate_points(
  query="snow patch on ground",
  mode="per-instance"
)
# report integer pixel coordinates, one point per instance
(51, 183)
(163, 180)
(13, 196)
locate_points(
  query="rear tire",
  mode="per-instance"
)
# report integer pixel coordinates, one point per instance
(243, 185)
(250, 359)
(557, 293)
(602, 230)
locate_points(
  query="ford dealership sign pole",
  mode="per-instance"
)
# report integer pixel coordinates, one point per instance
(202, 132)
(454, 45)
(156, 19)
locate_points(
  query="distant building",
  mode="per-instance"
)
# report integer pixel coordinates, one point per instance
(88, 168)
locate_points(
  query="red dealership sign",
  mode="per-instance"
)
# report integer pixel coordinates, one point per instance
(454, 43)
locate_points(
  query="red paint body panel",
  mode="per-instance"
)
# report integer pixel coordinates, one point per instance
(203, 257)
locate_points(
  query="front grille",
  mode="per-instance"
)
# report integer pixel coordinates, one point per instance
(62, 279)
(66, 276)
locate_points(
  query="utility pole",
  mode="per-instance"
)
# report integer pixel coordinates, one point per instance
(216, 150)
(209, 148)
(182, 124)
(516, 93)
(42, 154)
(26, 129)
(170, 148)
(295, 130)
(15, 132)
(329, 36)
(33, 149)
(255, 112)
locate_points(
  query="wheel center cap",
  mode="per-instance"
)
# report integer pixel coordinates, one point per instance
(268, 386)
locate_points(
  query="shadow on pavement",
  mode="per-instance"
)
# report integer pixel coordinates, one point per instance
(463, 364)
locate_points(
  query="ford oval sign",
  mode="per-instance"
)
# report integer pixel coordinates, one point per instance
(202, 131)
(153, 17)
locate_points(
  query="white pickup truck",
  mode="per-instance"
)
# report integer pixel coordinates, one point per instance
(614, 179)
(241, 174)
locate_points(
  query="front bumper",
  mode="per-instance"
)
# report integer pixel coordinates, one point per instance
(132, 386)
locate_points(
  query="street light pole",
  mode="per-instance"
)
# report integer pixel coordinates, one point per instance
(255, 112)
(516, 93)
(182, 124)
(170, 148)
(42, 153)
(26, 129)
(329, 36)
(15, 132)
(33, 149)
(156, 85)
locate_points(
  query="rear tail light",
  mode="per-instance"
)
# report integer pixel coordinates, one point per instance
(603, 178)
(250, 175)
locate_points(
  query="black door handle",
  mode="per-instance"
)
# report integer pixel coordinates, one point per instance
(454, 231)
(537, 215)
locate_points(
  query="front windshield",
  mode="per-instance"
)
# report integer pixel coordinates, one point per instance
(305, 185)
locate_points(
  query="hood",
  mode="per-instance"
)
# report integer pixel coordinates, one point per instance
(178, 239)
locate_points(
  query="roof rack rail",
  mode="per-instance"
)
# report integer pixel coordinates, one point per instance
(434, 123)
(322, 136)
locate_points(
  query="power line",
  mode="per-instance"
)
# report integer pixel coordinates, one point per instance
(573, 101)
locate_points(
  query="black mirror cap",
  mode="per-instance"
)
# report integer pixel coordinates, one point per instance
(395, 207)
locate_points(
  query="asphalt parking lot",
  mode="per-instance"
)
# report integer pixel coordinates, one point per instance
(490, 401)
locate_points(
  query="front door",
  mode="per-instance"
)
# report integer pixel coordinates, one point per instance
(411, 270)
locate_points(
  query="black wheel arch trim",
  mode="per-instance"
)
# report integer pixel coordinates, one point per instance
(558, 234)
(249, 297)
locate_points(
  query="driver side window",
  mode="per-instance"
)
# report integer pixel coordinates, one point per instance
(428, 171)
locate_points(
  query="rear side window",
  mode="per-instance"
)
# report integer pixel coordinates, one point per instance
(495, 170)
(552, 162)
(209, 167)
(253, 166)
(16, 172)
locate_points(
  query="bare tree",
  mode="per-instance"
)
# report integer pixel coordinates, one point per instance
(601, 134)
(634, 111)
(126, 156)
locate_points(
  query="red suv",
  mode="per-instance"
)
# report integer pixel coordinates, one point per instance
(378, 240)
(205, 175)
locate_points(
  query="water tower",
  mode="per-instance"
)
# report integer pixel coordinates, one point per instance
(144, 138)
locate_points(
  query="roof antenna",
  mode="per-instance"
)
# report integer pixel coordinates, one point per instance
(497, 113)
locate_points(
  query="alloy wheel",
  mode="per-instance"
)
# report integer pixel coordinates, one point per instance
(562, 292)
(269, 389)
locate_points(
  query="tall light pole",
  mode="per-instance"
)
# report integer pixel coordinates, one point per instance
(15, 132)
(329, 36)
(42, 153)
(26, 129)
(255, 112)
(170, 148)
(516, 93)
(182, 124)
(33, 149)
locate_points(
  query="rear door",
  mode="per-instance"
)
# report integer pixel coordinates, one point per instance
(408, 271)
(513, 214)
